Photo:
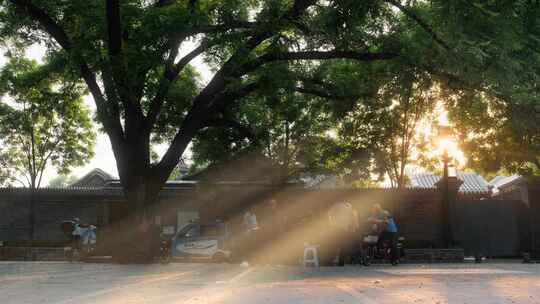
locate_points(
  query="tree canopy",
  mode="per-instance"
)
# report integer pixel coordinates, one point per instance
(43, 122)
(62, 181)
(133, 58)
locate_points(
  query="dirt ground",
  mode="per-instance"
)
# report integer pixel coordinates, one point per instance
(58, 282)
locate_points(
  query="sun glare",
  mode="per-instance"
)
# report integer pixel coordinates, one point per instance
(447, 143)
(429, 129)
(451, 147)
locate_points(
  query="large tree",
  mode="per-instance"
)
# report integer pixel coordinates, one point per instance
(131, 56)
(43, 122)
(128, 53)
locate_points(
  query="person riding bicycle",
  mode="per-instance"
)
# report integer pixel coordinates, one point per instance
(388, 229)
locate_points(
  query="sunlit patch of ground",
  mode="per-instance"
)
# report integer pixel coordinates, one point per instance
(229, 283)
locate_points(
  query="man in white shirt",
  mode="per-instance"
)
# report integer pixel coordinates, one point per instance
(250, 221)
(343, 222)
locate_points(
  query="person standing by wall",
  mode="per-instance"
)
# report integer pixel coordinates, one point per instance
(272, 225)
(342, 223)
(250, 222)
(249, 240)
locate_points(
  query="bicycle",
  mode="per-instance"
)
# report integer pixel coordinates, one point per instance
(372, 251)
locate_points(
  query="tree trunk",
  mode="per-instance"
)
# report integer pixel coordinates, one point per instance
(32, 211)
(141, 182)
(33, 177)
(133, 235)
(286, 155)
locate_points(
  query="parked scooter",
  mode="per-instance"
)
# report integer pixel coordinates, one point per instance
(82, 238)
(165, 250)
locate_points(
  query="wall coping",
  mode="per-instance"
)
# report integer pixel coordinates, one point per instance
(171, 191)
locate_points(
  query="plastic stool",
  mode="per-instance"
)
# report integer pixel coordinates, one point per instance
(311, 256)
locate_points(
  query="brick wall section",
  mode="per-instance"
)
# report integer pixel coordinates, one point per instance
(419, 218)
(490, 227)
(417, 212)
(91, 205)
(534, 215)
(50, 215)
(52, 206)
(414, 210)
(14, 219)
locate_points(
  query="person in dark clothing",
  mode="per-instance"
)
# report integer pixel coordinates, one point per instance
(388, 230)
(274, 225)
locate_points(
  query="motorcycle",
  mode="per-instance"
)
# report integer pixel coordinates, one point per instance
(82, 239)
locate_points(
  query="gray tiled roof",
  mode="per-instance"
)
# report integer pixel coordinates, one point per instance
(96, 177)
(499, 182)
(472, 182)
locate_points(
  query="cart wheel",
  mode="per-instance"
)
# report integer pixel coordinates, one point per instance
(69, 254)
(366, 262)
(165, 259)
(366, 258)
(219, 257)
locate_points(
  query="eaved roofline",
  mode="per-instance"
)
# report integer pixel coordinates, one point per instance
(517, 180)
(96, 171)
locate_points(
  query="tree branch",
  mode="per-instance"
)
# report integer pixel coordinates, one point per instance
(169, 76)
(325, 55)
(314, 55)
(325, 94)
(196, 116)
(43, 161)
(420, 22)
(8, 177)
(232, 25)
(127, 94)
(222, 99)
(50, 26)
(178, 37)
(114, 28)
(163, 3)
(244, 130)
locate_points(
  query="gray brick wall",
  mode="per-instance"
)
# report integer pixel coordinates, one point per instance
(14, 219)
(489, 227)
(51, 208)
(419, 219)
(418, 212)
(51, 214)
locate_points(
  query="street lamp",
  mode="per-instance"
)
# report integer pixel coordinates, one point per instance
(445, 139)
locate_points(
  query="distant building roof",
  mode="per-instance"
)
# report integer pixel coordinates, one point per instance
(94, 178)
(245, 167)
(501, 182)
(115, 183)
(472, 182)
(322, 182)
